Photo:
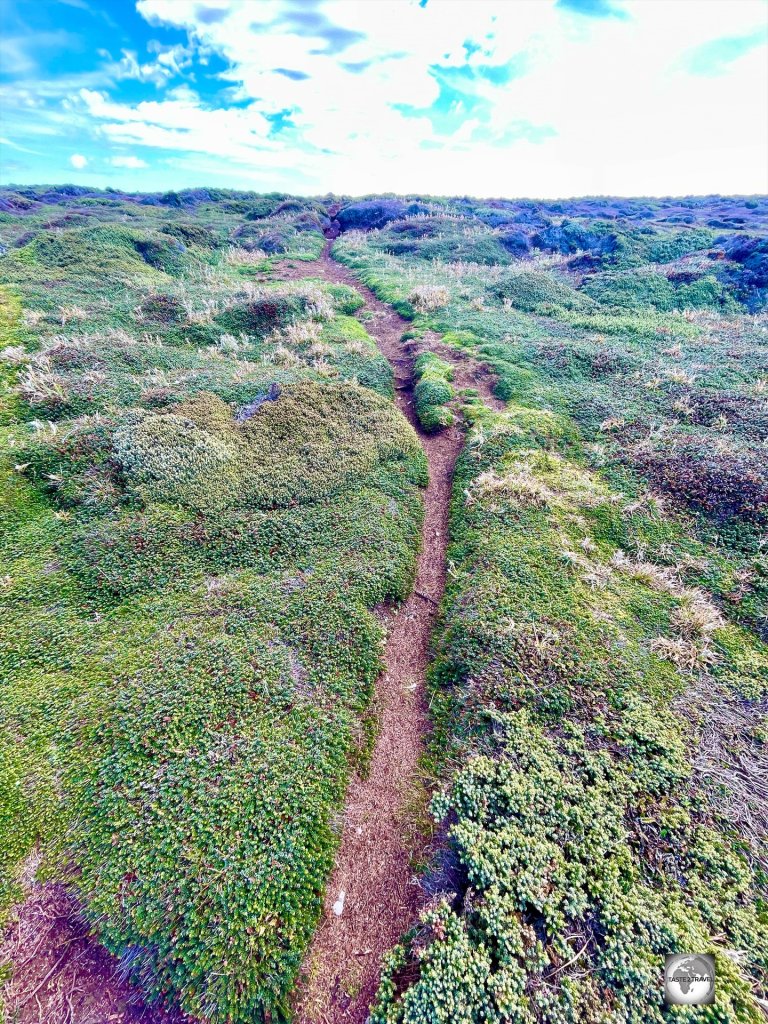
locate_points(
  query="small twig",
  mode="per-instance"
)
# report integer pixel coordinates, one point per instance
(48, 976)
(426, 597)
(568, 962)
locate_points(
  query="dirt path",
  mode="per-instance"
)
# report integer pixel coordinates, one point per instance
(373, 865)
(380, 833)
(61, 974)
(64, 977)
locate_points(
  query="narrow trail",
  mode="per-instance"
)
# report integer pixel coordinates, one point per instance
(378, 842)
(380, 834)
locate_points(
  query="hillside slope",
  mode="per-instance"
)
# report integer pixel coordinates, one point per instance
(215, 554)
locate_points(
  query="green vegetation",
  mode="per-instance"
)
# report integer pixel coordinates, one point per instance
(536, 291)
(673, 399)
(206, 491)
(433, 390)
(593, 638)
(637, 289)
(564, 667)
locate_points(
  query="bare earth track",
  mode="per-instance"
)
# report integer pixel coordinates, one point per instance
(374, 861)
(63, 977)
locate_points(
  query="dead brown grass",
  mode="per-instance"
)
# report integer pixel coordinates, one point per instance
(731, 760)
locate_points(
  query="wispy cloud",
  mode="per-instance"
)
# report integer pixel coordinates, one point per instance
(183, 124)
(535, 96)
(18, 148)
(715, 56)
(133, 163)
(21, 54)
(168, 64)
(594, 8)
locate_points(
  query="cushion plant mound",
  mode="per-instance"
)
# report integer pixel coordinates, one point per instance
(312, 441)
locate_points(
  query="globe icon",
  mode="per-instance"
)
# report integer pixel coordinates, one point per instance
(689, 980)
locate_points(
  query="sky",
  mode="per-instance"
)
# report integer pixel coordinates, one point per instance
(540, 98)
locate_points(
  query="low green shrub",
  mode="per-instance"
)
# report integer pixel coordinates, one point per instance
(263, 315)
(293, 234)
(461, 339)
(193, 234)
(541, 835)
(433, 391)
(588, 848)
(640, 246)
(102, 249)
(536, 291)
(638, 288)
(345, 299)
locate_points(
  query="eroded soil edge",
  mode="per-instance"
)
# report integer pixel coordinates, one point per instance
(378, 842)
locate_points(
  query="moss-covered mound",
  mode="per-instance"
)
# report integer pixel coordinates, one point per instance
(536, 291)
(433, 391)
(197, 519)
(312, 440)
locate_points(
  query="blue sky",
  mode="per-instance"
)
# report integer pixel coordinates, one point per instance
(488, 97)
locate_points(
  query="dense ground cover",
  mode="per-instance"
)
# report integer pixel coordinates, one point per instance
(599, 687)
(675, 398)
(206, 489)
(573, 676)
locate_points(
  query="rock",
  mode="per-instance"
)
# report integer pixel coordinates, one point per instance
(338, 906)
(245, 412)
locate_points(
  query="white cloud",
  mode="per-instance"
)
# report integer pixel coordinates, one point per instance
(78, 161)
(170, 61)
(181, 123)
(623, 113)
(129, 162)
(21, 149)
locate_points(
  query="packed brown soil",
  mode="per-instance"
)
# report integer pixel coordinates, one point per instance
(61, 975)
